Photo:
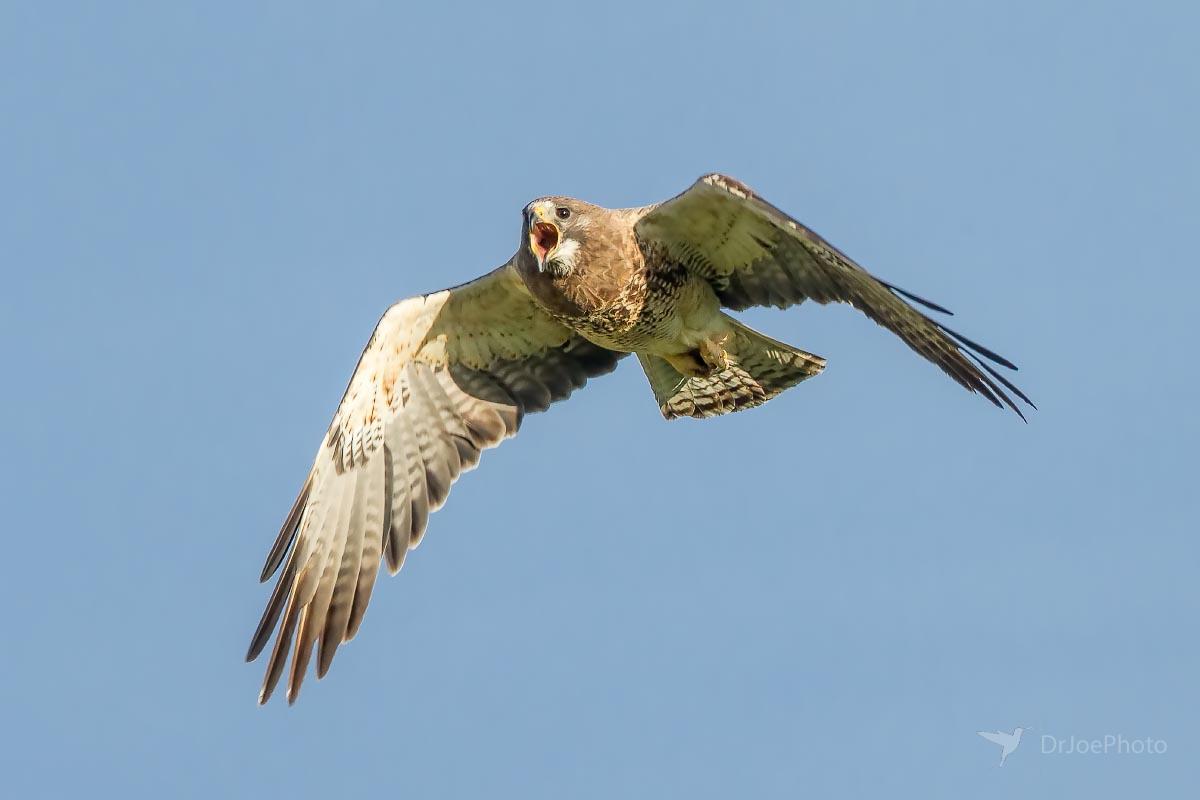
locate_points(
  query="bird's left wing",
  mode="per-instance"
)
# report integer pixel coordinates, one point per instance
(753, 254)
(443, 377)
(995, 737)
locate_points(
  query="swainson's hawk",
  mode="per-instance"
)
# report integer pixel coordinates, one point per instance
(450, 374)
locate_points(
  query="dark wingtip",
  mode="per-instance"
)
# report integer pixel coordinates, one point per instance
(287, 533)
(916, 298)
(1005, 382)
(270, 615)
(256, 645)
(970, 344)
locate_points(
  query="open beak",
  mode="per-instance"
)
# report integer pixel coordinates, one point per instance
(543, 236)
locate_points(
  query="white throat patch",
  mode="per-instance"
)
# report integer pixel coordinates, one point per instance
(565, 254)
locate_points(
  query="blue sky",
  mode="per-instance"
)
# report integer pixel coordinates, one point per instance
(206, 206)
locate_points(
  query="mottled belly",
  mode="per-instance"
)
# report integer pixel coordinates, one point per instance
(620, 327)
(666, 307)
(649, 313)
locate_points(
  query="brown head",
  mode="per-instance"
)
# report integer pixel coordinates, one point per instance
(559, 233)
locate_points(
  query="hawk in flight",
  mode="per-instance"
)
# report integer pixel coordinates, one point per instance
(450, 374)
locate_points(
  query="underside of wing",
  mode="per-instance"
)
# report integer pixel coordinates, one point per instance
(753, 254)
(444, 377)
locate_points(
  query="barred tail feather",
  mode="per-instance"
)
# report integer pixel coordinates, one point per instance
(758, 369)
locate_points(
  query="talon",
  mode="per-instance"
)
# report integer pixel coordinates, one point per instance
(704, 361)
(712, 353)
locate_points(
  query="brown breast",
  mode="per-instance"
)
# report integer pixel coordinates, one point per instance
(606, 290)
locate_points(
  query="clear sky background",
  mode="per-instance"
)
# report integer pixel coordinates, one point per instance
(204, 207)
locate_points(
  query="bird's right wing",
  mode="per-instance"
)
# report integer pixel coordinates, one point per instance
(996, 738)
(443, 377)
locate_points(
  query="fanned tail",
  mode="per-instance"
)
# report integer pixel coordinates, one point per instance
(758, 368)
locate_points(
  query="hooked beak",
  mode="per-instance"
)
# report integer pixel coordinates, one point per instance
(543, 236)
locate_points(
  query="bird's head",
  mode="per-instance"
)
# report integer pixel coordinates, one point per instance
(554, 230)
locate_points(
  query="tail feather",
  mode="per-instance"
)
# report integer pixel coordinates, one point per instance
(758, 369)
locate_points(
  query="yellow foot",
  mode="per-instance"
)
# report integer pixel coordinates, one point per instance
(703, 361)
(713, 354)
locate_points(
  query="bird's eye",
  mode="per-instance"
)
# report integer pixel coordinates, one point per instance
(562, 212)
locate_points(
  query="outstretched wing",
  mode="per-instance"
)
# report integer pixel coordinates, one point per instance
(756, 255)
(443, 377)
